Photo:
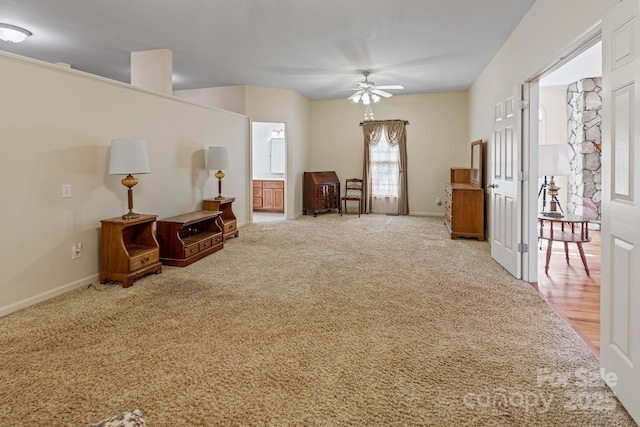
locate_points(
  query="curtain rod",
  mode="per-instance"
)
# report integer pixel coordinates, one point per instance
(406, 122)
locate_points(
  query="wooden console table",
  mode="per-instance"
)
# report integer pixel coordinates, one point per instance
(573, 229)
(229, 222)
(186, 238)
(128, 250)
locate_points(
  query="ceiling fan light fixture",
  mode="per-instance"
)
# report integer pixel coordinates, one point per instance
(13, 34)
(356, 97)
(367, 91)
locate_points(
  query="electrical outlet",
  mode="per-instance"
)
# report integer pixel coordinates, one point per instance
(76, 250)
(66, 191)
(438, 201)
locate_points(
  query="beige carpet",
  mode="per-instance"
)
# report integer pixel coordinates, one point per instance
(327, 321)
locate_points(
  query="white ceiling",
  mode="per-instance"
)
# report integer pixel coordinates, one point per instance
(317, 48)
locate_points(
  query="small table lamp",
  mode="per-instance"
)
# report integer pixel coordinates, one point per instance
(218, 159)
(128, 156)
(553, 160)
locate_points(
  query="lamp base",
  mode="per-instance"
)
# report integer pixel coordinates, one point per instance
(219, 175)
(130, 215)
(219, 197)
(553, 214)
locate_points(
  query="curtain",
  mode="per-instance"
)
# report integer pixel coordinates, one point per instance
(395, 132)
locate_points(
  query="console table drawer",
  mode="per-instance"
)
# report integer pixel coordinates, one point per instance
(191, 250)
(143, 260)
(229, 226)
(204, 245)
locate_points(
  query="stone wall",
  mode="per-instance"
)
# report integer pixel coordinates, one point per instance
(584, 108)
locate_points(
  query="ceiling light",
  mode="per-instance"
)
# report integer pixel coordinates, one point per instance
(13, 34)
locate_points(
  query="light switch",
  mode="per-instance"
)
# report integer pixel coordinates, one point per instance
(66, 191)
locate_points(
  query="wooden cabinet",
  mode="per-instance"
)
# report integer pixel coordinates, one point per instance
(128, 249)
(460, 175)
(187, 238)
(227, 217)
(268, 196)
(321, 192)
(464, 210)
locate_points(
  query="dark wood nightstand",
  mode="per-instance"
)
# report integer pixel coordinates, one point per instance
(129, 249)
(230, 224)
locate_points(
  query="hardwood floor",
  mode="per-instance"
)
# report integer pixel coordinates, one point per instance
(573, 295)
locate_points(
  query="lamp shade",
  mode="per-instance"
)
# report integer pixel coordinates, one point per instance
(554, 160)
(218, 158)
(128, 156)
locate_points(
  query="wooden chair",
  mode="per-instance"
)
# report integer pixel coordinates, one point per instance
(352, 193)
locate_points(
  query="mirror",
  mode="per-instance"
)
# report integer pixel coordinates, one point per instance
(476, 163)
(277, 155)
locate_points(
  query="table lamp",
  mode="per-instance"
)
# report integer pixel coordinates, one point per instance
(129, 156)
(218, 159)
(553, 160)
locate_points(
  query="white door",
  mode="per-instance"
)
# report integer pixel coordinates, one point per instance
(620, 281)
(504, 187)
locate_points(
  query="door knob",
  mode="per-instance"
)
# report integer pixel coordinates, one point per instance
(492, 186)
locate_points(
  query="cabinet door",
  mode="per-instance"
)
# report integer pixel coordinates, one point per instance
(267, 198)
(278, 199)
(257, 196)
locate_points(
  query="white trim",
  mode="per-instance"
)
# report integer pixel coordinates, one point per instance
(47, 295)
(432, 214)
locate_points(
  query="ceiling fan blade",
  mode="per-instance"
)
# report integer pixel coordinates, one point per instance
(381, 93)
(390, 87)
(356, 96)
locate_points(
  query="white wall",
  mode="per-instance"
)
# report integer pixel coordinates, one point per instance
(230, 98)
(545, 32)
(553, 99)
(263, 104)
(57, 125)
(437, 140)
(550, 30)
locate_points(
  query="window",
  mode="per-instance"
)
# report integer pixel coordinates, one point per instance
(385, 171)
(385, 176)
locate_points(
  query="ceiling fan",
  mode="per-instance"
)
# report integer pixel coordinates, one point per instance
(368, 92)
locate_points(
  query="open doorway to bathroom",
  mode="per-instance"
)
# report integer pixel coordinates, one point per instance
(268, 171)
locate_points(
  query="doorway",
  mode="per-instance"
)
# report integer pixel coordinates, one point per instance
(268, 171)
(570, 105)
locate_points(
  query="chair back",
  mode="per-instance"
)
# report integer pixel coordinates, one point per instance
(353, 187)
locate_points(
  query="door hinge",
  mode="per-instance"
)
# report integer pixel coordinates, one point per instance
(523, 176)
(523, 248)
(524, 104)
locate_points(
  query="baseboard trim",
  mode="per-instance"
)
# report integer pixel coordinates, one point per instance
(47, 295)
(434, 214)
